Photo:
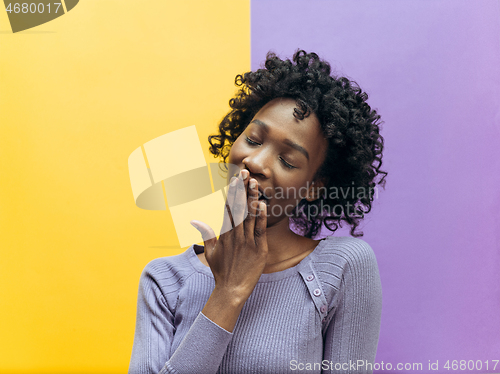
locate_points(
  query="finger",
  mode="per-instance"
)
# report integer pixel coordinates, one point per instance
(227, 223)
(239, 208)
(237, 186)
(259, 233)
(253, 207)
(207, 234)
(245, 174)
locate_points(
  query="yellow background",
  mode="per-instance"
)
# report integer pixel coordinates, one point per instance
(77, 96)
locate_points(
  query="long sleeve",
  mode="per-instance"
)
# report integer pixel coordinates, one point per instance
(351, 338)
(200, 351)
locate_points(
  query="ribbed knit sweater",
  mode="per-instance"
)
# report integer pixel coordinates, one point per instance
(320, 316)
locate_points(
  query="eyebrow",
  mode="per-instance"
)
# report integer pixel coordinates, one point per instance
(286, 141)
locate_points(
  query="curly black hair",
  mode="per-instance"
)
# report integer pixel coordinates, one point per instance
(352, 128)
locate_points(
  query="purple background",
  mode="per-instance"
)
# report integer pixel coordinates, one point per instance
(432, 69)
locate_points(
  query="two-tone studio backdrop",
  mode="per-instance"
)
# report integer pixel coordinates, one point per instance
(79, 93)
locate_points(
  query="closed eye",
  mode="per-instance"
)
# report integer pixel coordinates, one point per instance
(251, 142)
(289, 166)
(254, 143)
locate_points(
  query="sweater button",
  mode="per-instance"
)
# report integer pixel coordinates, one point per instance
(317, 292)
(323, 309)
(310, 277)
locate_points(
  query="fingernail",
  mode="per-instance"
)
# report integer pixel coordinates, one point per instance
(244, 174)
(253, 183)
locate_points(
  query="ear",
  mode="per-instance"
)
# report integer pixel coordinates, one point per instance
(314, 191)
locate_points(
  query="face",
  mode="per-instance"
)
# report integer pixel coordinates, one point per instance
(282, 153)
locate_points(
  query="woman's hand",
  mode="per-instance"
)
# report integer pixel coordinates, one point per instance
(238, 258)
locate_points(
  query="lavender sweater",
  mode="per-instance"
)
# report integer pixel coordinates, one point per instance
(320, 316)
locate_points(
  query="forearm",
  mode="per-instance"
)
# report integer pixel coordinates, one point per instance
(201, 350)
(202, 346)
(224, 306)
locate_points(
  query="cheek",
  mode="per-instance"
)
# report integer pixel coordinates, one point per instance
(293, 191)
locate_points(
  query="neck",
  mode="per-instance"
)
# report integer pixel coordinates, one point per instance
(283, 243)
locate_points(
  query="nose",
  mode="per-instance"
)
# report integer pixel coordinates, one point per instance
(257, 163)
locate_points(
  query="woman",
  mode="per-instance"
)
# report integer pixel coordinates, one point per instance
(261, 298)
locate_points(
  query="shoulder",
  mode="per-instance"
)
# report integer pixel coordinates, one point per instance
(347, 266)
(346, 251)
(171, 269)
(167, 275)
(341, 256)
